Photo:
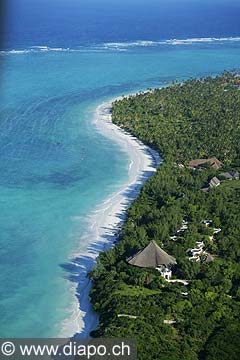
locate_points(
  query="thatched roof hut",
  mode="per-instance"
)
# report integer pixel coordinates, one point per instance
(152, 256)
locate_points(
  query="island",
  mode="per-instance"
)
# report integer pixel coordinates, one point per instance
(172, 279)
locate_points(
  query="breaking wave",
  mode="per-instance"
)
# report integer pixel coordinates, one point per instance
(191, 41)
(123, 46)
(33, 49)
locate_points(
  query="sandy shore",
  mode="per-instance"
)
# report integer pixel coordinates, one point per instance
(105, 222)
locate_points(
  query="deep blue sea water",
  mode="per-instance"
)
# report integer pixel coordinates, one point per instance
(59, 60)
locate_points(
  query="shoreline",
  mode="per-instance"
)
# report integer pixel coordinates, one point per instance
(106, 221)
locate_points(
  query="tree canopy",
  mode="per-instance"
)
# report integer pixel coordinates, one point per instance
(195, 119)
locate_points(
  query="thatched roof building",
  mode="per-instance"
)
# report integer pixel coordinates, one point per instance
(152, 256)
(214, 163)
(230, 175)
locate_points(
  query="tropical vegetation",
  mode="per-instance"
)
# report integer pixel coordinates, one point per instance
(199, 118)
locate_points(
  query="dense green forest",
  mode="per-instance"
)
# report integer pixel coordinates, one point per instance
(195, 119)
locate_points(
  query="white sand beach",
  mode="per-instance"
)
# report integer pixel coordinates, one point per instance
(106, 221)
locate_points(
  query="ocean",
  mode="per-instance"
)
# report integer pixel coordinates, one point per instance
(59, 61)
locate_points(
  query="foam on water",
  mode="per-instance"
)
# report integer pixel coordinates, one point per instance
(54, 165)
(124, 46)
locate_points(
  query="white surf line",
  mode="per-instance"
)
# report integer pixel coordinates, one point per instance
(109, 217)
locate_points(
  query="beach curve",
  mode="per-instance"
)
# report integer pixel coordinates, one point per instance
(106, 221)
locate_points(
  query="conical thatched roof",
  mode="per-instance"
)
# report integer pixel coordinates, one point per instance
(151, 256)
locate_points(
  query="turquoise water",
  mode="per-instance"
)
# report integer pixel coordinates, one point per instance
(56, 168)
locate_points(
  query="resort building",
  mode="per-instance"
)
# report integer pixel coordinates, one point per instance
(214, 182)
(230, 175)
(214, 163)
(152, 256)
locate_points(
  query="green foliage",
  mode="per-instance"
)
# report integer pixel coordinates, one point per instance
(199, 118)
(224, 343)
(196, 119)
